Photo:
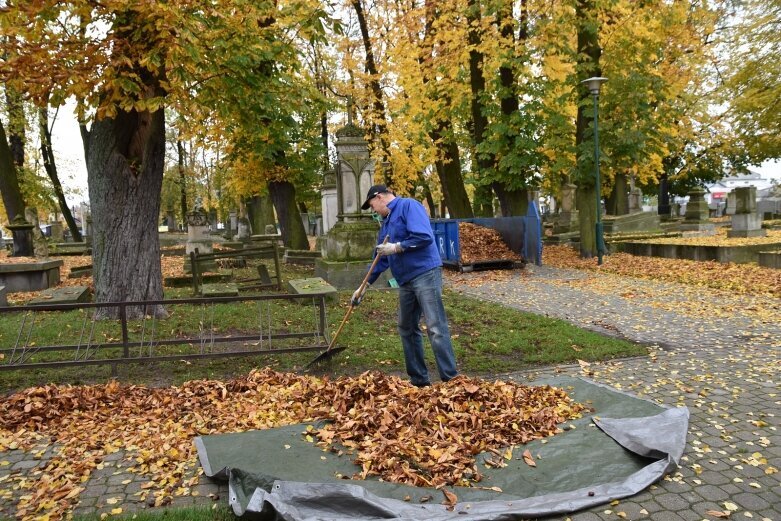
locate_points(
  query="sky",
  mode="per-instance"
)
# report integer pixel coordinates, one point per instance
(69, 154)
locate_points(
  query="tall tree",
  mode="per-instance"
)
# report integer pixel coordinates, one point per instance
(50, 165)
(589, 53)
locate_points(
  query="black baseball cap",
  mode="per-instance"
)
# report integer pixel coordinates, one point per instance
(374, 191)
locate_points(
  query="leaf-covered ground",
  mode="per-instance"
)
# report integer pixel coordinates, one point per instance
(374, 418)
(746, 279)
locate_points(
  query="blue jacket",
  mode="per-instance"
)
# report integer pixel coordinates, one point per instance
(409, 224)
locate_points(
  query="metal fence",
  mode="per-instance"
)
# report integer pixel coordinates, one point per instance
(61, 335)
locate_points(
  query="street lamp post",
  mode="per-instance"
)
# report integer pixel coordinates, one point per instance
(593, 84)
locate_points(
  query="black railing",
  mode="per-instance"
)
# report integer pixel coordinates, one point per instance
(60, 335)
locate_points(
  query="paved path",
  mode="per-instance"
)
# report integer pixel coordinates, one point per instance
(720, 355)
(716, 353)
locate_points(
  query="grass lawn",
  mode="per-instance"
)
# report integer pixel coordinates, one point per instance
(488, 339)
(221, 512)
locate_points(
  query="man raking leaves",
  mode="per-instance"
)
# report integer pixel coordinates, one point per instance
(412, 256)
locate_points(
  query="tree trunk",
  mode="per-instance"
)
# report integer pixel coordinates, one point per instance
(261, 213)
(182, 180)
(449, 172)
(512, 202)
(587, 203)
(617, 202)
(587, 66)
(9, 181)
(125, 176)
(483, 201)
(16, 126)
(51, 170)
(283, 194)
(484, 162)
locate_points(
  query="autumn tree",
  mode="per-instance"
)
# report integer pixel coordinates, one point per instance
(127, 60)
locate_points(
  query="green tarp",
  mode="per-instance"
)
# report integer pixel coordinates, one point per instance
(625, 446)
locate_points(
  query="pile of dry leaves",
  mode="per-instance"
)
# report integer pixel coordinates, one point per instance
(403, 434)
(480, 244)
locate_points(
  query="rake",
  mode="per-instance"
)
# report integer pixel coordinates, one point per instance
(331, 351)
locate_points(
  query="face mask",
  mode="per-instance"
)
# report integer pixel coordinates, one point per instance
(377, 217)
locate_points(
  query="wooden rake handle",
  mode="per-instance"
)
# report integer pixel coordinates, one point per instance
(362, 287)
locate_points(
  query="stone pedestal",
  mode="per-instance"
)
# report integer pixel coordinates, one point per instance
(697, 212)
(22, 234)
(746, 222)
(747, 225)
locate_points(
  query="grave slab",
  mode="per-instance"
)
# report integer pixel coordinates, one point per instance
(311, 286)
(64, 295)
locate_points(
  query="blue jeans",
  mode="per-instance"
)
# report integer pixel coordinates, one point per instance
(423, 295)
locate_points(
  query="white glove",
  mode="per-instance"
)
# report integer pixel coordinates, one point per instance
(389, 248)
(358, 295)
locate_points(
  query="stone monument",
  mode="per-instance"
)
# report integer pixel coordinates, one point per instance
(22, 234)
(746, 222)
(198, 237)
(243, 229)
(348, 247)
(170, 220)
(567, 220)
(697, 212)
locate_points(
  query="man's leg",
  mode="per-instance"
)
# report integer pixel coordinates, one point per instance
(412, 336)
(428, 288)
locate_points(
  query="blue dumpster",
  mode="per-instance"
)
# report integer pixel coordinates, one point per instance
(521, 234)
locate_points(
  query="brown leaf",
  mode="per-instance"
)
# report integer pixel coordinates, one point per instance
(723, 514)
(528, 458)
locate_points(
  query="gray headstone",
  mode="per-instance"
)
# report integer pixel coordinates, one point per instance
(3, 296)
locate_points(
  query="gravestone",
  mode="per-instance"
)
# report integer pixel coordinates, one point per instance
(170, 218)
(213, 220)
(635, 200)
(746, 222)
(3, 296)
(567, 220)
(233, 220)
(697, 213)
(57, 234)
(198, 238)
(243, 229)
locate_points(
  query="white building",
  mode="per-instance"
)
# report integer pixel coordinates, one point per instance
(717, 192)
